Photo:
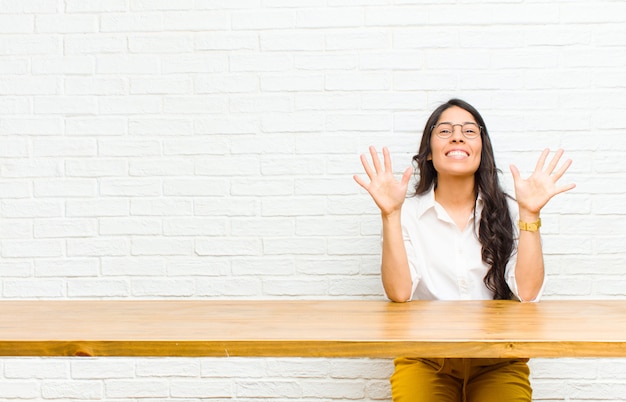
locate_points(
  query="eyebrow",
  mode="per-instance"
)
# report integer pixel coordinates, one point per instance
(449, 122)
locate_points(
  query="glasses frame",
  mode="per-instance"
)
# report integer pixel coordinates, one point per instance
(480, 130)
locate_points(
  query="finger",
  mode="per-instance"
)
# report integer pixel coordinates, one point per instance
(542, 160)
(561, 171)
(554, 161)
(514, 172)
(375, 160)
(387, 159)
(565, 188)
(406, 176)
(367, 167)
(360, 181)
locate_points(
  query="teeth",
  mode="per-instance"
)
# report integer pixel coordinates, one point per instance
(457, 153)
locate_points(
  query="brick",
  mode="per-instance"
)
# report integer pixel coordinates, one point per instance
(30, 45)
(229, 287)
(95, 167)
(197, 266)
(97, 247)
(94, 86)
(67, 268)
(333, 389)
(195, 226)
(285, 82)
(266, 19)
(195, 187)
(161, 44)
(16, 228)
(63, 65)
(132, 266)
(158, 288)
(201, 389)
(194, 20)
(158, 246)
(226, 83)
(136, 389)
(161, 207)
(20, 389)
(50, 228)
(292, 42)
(262, 266)
(161, 85)
(33, 369)
(168, 368)
(260, 104)
(97, 207)
(227, 41)
(64, 147)
(64, 105)
(280, 389)
(32, 248)
(16, 24)
(94, 43)
(296, 287)
(26, 289)
(202, 104)
(97, 288)
(127, 64)
(149, 187)
(132, 22)
(102, 369)
(335, 17)
(129, 226)
(159, 127)
(29, 86)
(194, 63)
(67, 23)
(227, 247)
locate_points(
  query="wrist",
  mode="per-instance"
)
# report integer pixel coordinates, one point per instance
(532, 226)
(528, 216)
(390, 216)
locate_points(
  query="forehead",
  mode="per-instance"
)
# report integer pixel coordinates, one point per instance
(455, 114)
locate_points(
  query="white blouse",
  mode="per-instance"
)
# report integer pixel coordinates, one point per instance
(445, 262)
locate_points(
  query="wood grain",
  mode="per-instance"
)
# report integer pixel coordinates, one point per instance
(345, 328)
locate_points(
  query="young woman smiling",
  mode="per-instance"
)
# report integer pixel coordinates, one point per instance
(460, 237)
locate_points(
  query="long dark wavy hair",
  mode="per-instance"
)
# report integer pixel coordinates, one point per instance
(495, 232)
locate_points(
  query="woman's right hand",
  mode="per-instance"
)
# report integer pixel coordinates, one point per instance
(388, 193)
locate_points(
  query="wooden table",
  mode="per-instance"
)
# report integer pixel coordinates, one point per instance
(346, 328)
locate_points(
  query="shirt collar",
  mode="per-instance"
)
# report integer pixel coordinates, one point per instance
(428, 202)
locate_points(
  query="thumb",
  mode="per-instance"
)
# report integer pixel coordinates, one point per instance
(514, 173)
(406, 176)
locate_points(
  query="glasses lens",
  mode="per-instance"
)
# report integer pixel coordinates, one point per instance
(471, 130)
(444, 130)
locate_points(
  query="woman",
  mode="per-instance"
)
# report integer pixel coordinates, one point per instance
(461, 237)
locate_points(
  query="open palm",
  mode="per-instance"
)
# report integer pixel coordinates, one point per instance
(534, 192)
(388, 192)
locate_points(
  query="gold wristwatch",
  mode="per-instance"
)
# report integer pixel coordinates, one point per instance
(530, 226)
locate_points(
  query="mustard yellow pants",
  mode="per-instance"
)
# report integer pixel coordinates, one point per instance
(460, 380)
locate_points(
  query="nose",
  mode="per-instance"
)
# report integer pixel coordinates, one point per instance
(457, 135)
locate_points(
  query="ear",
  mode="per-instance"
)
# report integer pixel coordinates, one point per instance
(429, 157)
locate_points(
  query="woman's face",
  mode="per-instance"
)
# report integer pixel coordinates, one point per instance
(457, 155)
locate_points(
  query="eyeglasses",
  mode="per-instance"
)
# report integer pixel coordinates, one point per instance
(445, 130)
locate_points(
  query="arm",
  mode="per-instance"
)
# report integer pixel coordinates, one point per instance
(388, 194)
(532, 195)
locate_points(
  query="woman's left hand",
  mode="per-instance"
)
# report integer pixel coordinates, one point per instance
(534, 192)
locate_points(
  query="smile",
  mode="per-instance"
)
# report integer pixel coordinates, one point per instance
(457, 154)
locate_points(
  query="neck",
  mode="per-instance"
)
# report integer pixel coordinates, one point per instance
(457, 197)
(455, 192)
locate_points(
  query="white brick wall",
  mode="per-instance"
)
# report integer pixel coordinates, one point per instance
(204, 150)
